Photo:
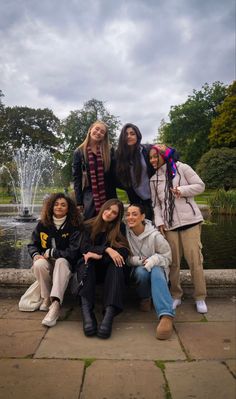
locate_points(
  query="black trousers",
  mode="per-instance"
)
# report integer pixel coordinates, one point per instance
(113, 277)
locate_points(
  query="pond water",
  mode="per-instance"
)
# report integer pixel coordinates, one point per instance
(218, 238)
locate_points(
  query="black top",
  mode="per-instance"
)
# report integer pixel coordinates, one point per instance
(132, 195)
(68, 242)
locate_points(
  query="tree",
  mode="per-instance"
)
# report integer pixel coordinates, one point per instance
(1, 103)
(217, 168)
(190, 122)
(75, 128)
(223, 130)
(27, 126)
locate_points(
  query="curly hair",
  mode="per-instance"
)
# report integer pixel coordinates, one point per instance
(47, 210)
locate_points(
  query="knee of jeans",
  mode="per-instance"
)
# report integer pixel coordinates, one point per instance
(158, 272)
(141, 274)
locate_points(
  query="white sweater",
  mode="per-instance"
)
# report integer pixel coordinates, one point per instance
(151, 245)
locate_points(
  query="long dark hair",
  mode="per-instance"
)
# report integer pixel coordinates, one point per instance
(125, 155)
(47, 210)
(112, 229)
(169, 198)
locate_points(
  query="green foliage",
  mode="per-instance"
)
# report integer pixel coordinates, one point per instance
(223, 130)
(217, 168)
(1, 103)
(75, 128)
(27, 126)
(223, 202)
(121, 194)
(190, 122)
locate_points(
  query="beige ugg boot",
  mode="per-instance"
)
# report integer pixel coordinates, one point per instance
(165, 327)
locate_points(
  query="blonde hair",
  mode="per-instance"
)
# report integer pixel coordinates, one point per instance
(105, 145)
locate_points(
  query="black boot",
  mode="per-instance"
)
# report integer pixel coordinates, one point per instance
(89, 319)
(105, 328)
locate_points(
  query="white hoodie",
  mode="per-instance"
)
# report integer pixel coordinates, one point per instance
(151, 245)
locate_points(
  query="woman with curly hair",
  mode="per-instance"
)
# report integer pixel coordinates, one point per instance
(55, 247)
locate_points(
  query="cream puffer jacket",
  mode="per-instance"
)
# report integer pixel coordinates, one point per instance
(186, 210)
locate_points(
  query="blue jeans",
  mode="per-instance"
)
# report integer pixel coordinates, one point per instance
(153, 284)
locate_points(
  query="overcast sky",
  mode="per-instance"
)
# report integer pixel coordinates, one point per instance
(137, 56)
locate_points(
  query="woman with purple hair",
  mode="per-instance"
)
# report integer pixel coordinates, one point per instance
(179, 219)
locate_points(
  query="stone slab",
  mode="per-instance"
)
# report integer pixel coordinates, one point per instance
(221, 310)
(37, 379)
(187, 312)
(128, 341)
(123, 379)
(215, 340)
(20, 338)
(6, 305)
(231, 364)
(198, 380)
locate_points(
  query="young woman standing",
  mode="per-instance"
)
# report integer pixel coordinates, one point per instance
(179, 219)
(94, 171)
(133, 168)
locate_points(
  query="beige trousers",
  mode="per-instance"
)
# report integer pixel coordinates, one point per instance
(53, 277)
(187, 243)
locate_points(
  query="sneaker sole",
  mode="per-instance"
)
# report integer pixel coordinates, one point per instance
(49, 323)
(44, 309)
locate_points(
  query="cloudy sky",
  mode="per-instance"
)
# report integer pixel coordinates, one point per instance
(137, 56)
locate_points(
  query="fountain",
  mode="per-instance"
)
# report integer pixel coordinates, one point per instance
(31, 164)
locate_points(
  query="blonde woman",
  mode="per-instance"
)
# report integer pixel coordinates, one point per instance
(93, 171)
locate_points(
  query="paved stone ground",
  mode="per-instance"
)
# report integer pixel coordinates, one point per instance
(199, 361)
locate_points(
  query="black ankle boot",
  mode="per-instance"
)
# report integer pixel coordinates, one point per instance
(89, 319)
(105, 328)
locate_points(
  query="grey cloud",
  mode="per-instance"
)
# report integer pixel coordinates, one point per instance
(138, 56)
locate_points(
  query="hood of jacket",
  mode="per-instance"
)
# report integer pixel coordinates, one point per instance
(149, 229)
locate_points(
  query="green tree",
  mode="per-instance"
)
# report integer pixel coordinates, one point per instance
(1, 103)
(27, 126)
(217, 168)
(190, 122)
(75, 128)
(223, 130)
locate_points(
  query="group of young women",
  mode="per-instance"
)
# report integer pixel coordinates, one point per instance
(162, 224)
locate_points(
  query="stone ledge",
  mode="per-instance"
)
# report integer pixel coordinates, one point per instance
(220, 283)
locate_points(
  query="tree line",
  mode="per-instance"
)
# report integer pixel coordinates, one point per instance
(202, 129)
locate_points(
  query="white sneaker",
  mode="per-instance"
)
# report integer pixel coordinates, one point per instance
(176, 302)
(45, 305)
(51, 317)
(201, 306)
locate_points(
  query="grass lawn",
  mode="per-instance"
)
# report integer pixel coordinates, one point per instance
(8, 199)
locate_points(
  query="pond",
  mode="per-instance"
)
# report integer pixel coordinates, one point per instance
(218, 238)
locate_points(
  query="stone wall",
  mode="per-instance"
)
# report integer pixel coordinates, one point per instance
(220, 283)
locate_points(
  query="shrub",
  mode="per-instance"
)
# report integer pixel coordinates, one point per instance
(223, 202)
(217, 168)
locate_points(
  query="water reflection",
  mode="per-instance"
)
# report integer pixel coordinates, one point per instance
(218, 238)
